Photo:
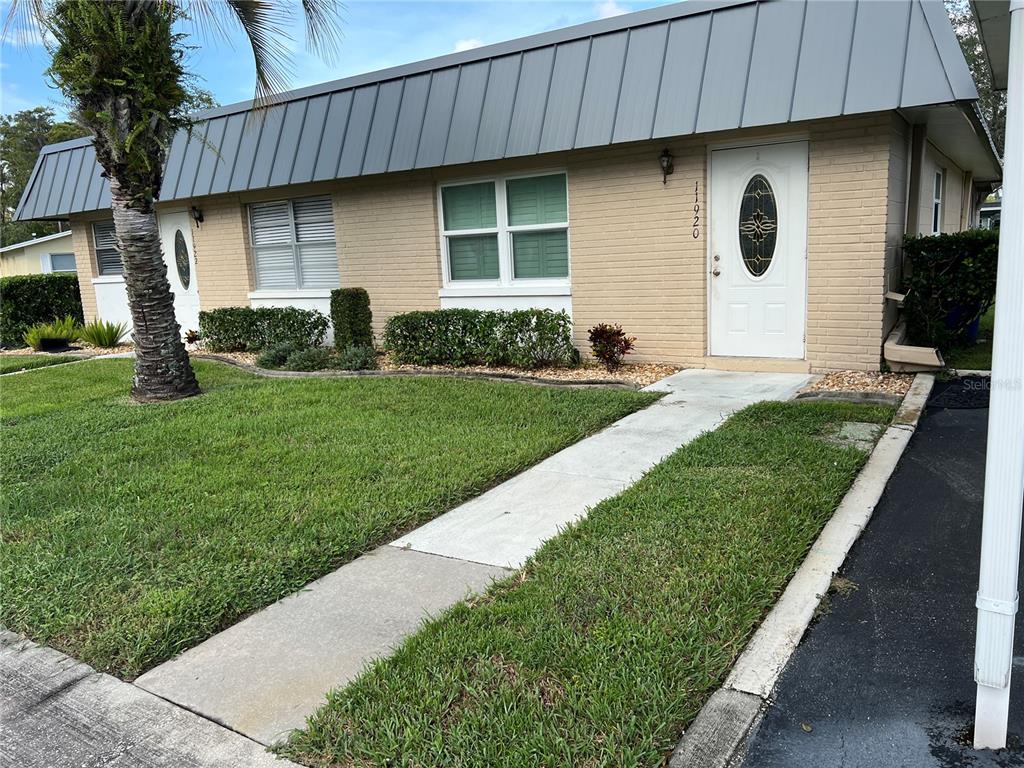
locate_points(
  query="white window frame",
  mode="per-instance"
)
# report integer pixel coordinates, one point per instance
(46, 263)
(298, 290)
(938, 193)
(506, 284)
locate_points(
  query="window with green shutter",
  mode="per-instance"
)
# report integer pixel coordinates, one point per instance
(507, 230)
(538, 215)
(471, 208)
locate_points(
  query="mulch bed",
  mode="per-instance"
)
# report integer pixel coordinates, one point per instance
(636, 375)
(862, 381)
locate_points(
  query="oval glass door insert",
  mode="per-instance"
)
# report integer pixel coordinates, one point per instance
(181, 259)
(758, 226)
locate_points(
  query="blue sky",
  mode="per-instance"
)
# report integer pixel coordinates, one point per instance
(377, 34)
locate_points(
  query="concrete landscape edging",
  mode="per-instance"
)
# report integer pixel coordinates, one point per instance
(717, 736)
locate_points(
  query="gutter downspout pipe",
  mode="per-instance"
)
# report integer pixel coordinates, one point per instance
(1004, 469)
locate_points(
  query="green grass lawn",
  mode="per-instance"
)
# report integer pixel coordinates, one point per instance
(132, 532)
(605, 646)
(977, 357)
(11, 363)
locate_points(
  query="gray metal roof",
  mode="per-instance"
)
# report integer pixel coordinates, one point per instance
(690, 67)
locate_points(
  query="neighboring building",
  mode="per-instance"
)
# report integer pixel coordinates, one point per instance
(990, 211)
(801, 140)
(51, 253)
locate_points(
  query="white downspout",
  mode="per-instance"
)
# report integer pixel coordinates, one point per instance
(1004, 469)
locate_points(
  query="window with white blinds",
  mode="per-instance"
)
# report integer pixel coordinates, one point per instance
(293, 244)
(108, 259)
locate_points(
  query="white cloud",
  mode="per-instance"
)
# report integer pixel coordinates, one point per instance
(609, 8)
(467, 44)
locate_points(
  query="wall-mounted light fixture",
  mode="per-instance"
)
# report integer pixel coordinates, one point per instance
(197, 215)
(667, 165)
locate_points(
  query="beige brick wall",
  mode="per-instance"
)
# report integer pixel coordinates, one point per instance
(846, 242)
(220, 245)
(388, 244)
(85, 261)
(633, 257)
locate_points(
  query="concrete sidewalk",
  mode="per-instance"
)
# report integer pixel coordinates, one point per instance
(58, 712)
(885, 678)
(265, 675)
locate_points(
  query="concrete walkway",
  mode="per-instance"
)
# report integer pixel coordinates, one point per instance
(265, 675)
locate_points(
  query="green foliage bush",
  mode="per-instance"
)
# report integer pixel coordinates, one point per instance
(57, 334)
(610, 344)
(352, 318)
(309, 359)
(950, 282)
(357, 359)
(28, 300)
(526, 339)
(276, 355)
(250, 329)
(103, 334)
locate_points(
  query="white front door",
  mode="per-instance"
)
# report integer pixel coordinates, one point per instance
(758, 254)
(176, 243)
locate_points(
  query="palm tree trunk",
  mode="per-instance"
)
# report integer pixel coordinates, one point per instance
(162, 367)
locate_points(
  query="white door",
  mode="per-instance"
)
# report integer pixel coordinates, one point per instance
(758, 251)
(176, 243)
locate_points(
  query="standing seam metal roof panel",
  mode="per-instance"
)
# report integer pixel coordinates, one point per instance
(638, 94)
(409, 123)
(773, 62)
(696, 66)
(530, 102)
(495, 117)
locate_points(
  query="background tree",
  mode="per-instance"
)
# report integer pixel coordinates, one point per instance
(991, 102)
(22, 136)
(121, 67)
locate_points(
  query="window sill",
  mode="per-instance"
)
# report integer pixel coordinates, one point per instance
(468, 291)
(292, 293)
(107, 279)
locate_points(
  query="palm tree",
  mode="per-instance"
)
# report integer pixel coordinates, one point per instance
(121, 66)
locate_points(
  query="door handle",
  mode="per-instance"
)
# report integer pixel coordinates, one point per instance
(716, 271)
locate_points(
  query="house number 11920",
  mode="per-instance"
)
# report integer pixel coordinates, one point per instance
(696, 210)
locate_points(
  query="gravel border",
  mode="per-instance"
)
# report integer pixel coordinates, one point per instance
(502, 377)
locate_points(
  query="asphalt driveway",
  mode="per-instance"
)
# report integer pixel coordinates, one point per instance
(885, 678)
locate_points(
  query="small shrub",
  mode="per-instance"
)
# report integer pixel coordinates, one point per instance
(610, 344)
(104, 334)
(28, 300)
(310, 359)
(55, 335)
(357, 359)
(191, 336)
(250, 329)
(276, 355)
(951, 281)
(458, 337)
(352, 318)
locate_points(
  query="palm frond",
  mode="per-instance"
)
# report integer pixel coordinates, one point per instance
(25, 22)
(323, 27)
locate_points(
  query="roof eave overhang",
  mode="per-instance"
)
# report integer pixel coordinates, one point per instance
(993, 20)
(959, 131)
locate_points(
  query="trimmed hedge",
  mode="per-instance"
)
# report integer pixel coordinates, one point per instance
(527, 339)
(250, 329)
(951, 282)
(352, 318)
(27, 300)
